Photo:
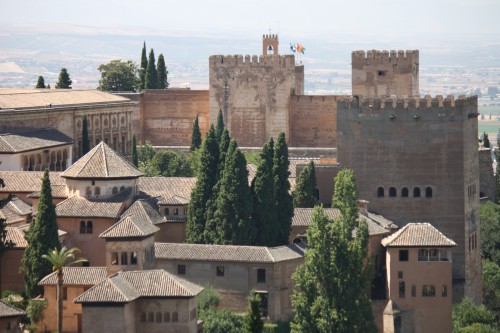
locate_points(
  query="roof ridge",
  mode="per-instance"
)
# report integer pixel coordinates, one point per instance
(8, 144)
(118, 276)
(88, 159)
(270, 255)
(106, 167)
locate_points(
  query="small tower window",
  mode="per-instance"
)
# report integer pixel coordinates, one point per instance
(380, 192)
(114, 258)
(151, 317)
(88, 191)
(392, 192)
(115, 190)
(428, 192)
(176, 211)
(158, 317)
(124, 258)
(416, 192)
(167, 212)
(166, 317)
(89, 227)
(82, 227)
(175, 317)
(133, 258)
(404, 192)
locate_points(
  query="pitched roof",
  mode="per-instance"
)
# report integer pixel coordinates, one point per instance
(58, 192)
(125, 287)
(77, 206)
(15, 211)
(175, 200)
(37, 139)
(227, 253)
(7, 310)
(16, 235)
(83, 276)
(101, 162)
(27, 181)
(143, 209)
(417, 234)
(130, 226)
(32, 98)
(164, 188)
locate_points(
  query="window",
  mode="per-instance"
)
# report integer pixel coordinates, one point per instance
(261, 275)
(82, 227)
(175, 317)
(158, 317)
(166, 317)
(143, 317)
(89, 227)
(392, 192)
(428, 291)
(404, 192)
(381, 73)
(181, 269)
(428, 192)
(413, 291)
(220, 270)
(176, 211)
(97, 191)
(9, 326)
(402, 290)
(65, 294)
(428, 255)
(88, 191)
(115, 190)
(124, 258)
(444, 291)
(133, 258)
(400, 274)
(114, 258)
(167, 212)
(416, 192)
(403, 255)
(122, 188)
(151, 317)
(380, 192)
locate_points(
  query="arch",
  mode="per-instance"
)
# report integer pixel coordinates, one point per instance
(133, 258)
(124, 258)
(88, 191)
(166, 317)
(404, 192)
(167, 211)
(97, 191)
(380, 192)
(115, 190)
(416, 192)
(158, 317)
(176, 211)
(143, 317)
(90, 227)
(151, 317)
(122, 188)
(392, 192)
(82, 227)
(428, 192)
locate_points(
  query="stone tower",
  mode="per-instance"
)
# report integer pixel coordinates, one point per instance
(416, 160)
(270, 44)
(384, 73)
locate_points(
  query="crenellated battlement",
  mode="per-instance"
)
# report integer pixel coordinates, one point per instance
(251, 60)
(270, 36)
(387, 56)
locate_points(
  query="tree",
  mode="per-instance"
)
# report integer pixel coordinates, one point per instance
(5, 245)
(304, 194)
(264, 210)
(145, 153)
(150, 80)
(118, 75)
(467, 313)
(64, 81)
(135, 156)
(331, 286)
(497, 158)
(162, 80)
(232, 216)
(85, 136)
(59, 259)
(144, 66)
(490, 231)
(42, 237)
(195, 135)
(48, 86)
(219, 128)
(486, 140)
(217, 320)
(203, 190)
(491, 287)
(168, 164)
(40, 84)
(284, 201)
(253, 317)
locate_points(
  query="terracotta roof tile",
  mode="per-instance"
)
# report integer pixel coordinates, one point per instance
(7, 310)
(175, 200)
(417, 234)
(15, 211)
(58, 192)
(20, 207)
(165, 188)
(130, 226)
(77, 206)
(16, 235)
(101, 162)
(83, 276)
(37, 139)
(27, 181)
(144, 210)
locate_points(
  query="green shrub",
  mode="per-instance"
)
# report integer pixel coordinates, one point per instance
(218, 320)
(35, 310)
(209, 298)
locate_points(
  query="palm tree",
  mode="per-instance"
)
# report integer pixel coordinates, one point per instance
(59, 259)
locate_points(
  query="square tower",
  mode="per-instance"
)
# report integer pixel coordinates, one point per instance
(270, 45)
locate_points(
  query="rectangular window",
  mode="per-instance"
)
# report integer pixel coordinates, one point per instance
(261, 275)
(413, 291)
(219, 270)
(400, 274)
(124, 258)
(402, 290)
(181, 269)
(444, 291)
(114, 258)
(65, 294)
(403, 255)
(428, 291)
(133, 258)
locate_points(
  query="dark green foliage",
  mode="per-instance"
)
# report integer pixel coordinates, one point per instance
(284, 201)
(497, 158)
(42, 237)
(304, 194)
(35, 310)
(277, 327)
(208, 298)
(64, 81)
(118, 75)
(219, 128)
(252, 157)
(490, 232)
(40, 83)
(486, 140)
(234, 202)
(264, 209)
(16, 299)
(253, 321)
(144, 66)
(479, 328)
(150, 81)
(145, 153)
(491, 287)
(195, 135)
(4, 244)
(331, 287)
(168, 164)
(203, 191)
(135, 156)
(221, 321)
(85, 136)
(162, 81)
(467, 313)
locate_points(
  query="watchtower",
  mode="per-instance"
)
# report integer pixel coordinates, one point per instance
(270, 44)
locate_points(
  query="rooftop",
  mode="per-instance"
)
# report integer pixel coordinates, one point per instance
(417, 234)
(143, 209)
(16, 236)
(32, 140)
(58, 192)
(82, 276)
(130, 226)
(77, 206)
(27, 181)
(7, 310)
(15, 211)
(164, 188)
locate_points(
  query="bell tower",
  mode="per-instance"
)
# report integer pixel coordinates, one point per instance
(270, 45)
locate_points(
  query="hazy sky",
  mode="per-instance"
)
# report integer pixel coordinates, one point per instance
(324, 18)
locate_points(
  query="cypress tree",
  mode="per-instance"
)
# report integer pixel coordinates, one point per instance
(42, 237)
(48, 86)
(304, 194)
(150, 80)
(284, 201)
(85, 136)
(219, 128)
(135, 156)
(162, 81)
(195, 135)
(486, 140)
(234, 201)
(64, 81)
(40, 84)
(203, 190)
(144, 66)
(253, 322)
(223, 147)
(264, 210)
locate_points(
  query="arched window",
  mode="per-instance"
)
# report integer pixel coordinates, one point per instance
(88, 191)
(166, 317)
(404, 192)
(82, 227)
(124, 258)
(176, 211)
(89, 227)
(143, 317)
(158, 317)
(97, 191)
(115, 190)
(175, 317)
(428, 192)
(151, 317)
(380, 192)
(133, 258)
(122, 188)
(167, 212)
(416, 192)
(392, 192)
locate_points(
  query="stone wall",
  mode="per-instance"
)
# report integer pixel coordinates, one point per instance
(487, 185)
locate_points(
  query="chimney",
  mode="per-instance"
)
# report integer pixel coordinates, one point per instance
(363, 207)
